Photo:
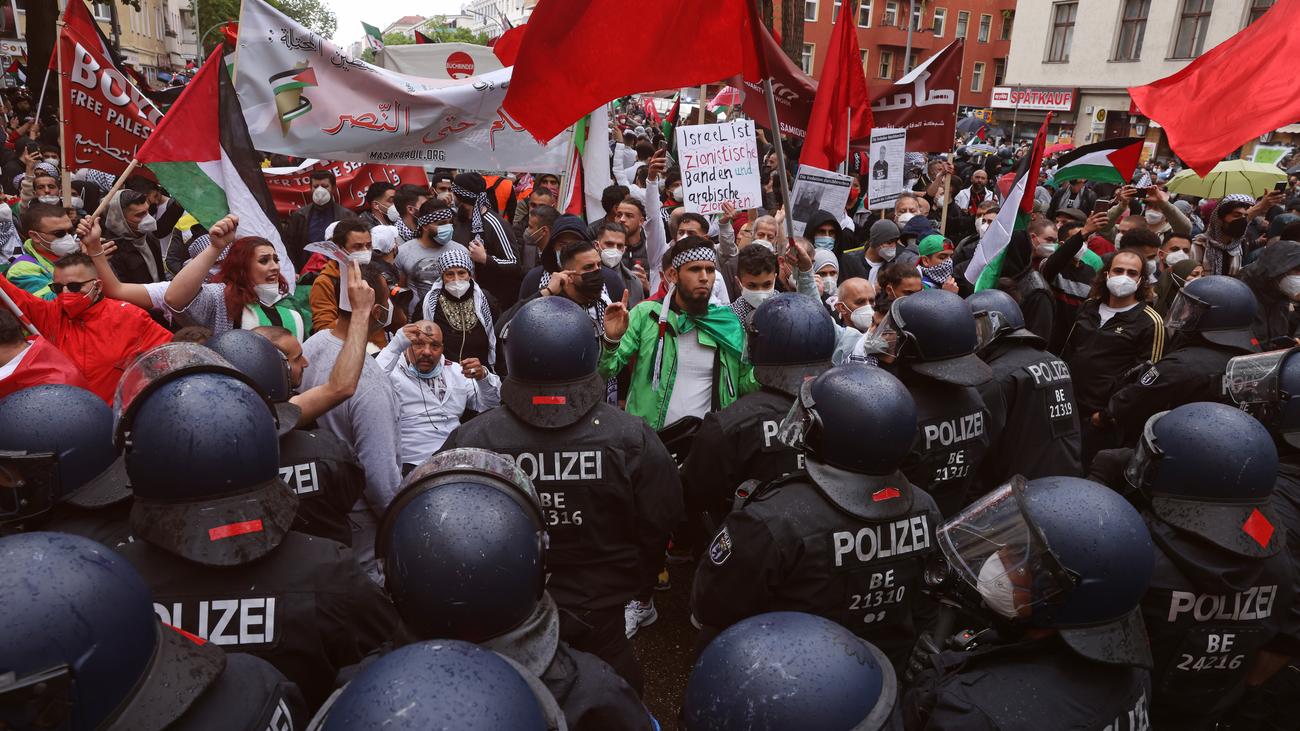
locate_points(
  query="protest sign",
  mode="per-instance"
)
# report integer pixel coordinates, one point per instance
(719, 165)
(331, 250)
(291, 187)
(306, 97)
(817, 190)
(886, 182)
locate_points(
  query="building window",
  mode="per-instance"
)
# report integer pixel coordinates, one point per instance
(986, 25)
(1192, 25)
(864, 14)
(1132, 27)
(810, 10)
(886, 65)
(806, 60)
(963, 22)
(940, 21)
(101, 11)
(977, 77)
(916, 15)
(911, 64)
(1008, 17)
(1058, 44)
(865, 54)
(1257, 10)
(835, 11)
(891, 14)
(999, 71)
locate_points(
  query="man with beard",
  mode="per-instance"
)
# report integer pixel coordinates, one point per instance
(491, 244)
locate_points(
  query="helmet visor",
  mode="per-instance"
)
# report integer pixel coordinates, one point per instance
(1186, 312)
(481, 461)
(799, 420)
(27, 483)
(1146, 454)
(890, 336)
(987, 326)
(995, 548)
(1254, 384)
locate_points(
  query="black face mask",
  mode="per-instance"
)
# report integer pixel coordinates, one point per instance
(1236, 228)
(590, 284)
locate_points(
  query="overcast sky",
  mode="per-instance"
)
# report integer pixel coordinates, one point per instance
(379, 14)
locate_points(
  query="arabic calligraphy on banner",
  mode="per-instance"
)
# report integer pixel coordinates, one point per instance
(291, 187)
(924, 102)
(303, 96)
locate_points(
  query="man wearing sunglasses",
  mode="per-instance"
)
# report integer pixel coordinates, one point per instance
(49, 232)
(101, 336)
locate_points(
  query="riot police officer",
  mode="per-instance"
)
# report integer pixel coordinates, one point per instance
(211, 521)
(930, 342)
(439, 685)
(609, 490)
(790, 670)
(1210, 322)
(1058, 565)
(464, 545)
(847, 541)
(1223, 584)
(87, 652)
(1030, 396)
(58, 440)
(791, 339)
(321, 469)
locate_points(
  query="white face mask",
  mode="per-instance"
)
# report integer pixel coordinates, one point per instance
(903, 218)
(457, 288)
(611, 258)
(53, 200)
(676, 193)
(1149, 266)
(320, 196)
(393, 214)
(1122, 286)
(995, 587)
(756, 297)
(828, 283)
(981, 226)
(863, 317)
(267, 294)
(1153, 217)
(361, 257)
(887, 252)
(78, 203)
(1175, 257)
(6, 213)
(388, 315)
(64, 245)
(1290, 285)
(147, 225)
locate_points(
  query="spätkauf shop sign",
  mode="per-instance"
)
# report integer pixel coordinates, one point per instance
(1038, 98)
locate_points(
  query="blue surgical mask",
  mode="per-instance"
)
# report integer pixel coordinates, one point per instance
(444, 233)
(824, 242)
(437, 371)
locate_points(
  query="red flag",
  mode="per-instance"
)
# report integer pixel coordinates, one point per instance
(1240, 89)
(106, 118)
(924, 101)
(843, 87)
(506, 48)
(230, 34)
(421, 39)
(691, 42)
(792, 88)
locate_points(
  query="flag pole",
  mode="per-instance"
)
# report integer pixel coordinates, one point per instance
(63, 114)
(117, 185)
(18, 313)
(775, 125)
(947, 179)
(699, 118)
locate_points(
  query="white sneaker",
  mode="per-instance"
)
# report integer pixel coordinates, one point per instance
(637, 615)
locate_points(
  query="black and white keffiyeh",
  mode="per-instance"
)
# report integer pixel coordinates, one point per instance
(699, 253)
(449, 260)
(480, 201)
(439, 216)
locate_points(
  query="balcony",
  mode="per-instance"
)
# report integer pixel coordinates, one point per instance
(896, 37)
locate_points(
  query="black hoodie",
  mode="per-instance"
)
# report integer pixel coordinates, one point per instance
(1274, 318)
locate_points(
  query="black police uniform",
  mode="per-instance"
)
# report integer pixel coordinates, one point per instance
(1208, 613)
(109, 525)
(1031, 400)
(954, 434)
(791, 548)
(610, 497)
(323, 471)
(1190, 373)
(249, 695)
(736, 444)
(1031, 684)
(306, 607)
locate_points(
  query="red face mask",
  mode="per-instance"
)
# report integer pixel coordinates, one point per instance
(74, 304)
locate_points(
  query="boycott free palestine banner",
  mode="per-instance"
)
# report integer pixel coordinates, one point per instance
(291, 187)
(303, 96)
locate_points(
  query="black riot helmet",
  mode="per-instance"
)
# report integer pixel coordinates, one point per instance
(56, 443)
(464, 542)
(85, 650)
(264, 364)
(788, 670)
(855, 424)
(791, 339)
(203, 458)
(997, 315)
(1220, 308)
(442, 684)
(933, 333)
(1057, 552)
(551, 352)
(1209, 468)
(1267, 386)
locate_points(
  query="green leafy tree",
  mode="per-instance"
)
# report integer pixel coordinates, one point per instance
(315, 15)
(438, 33)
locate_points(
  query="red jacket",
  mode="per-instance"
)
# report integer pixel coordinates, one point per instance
(101, 342)
(40, 364)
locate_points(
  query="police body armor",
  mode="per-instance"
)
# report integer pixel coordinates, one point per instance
(953, 436)
(322, 470)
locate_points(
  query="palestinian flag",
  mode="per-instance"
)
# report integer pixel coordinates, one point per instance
(421, 39)
(202, 154)
(374, 39)
(671, 120)
(986, 265)
(1108, 161)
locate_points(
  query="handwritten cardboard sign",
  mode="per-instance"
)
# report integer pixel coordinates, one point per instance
(719, 165)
